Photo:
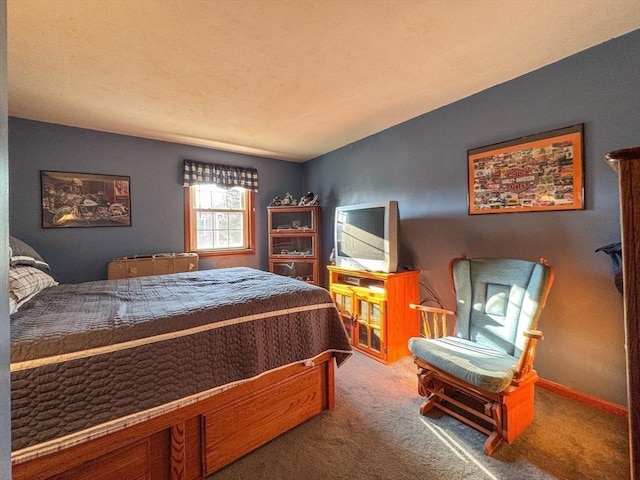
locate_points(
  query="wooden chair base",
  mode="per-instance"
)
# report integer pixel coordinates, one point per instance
(501, 416)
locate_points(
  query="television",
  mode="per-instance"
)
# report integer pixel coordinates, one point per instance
(366, 236)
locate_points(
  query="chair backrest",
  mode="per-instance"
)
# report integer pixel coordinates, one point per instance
(498, 299)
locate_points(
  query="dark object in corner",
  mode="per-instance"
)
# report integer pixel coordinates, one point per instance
(614, 250)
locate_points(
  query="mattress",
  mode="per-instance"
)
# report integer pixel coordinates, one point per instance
(90, 358)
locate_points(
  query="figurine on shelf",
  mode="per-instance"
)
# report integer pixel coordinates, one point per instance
(288, 200)
(276, 202)
(309, 200)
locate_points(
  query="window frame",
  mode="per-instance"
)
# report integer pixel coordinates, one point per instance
(190, 223)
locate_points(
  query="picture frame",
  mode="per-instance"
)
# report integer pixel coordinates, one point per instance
(71, 199)
(536, 173)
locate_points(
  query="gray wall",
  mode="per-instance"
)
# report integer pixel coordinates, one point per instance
(155, 168)
(5, 380)
(422, 163)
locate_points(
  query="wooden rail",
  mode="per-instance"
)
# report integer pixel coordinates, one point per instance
(627, 163)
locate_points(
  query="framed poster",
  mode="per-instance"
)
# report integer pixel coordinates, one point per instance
(72, 199)
(540, 172)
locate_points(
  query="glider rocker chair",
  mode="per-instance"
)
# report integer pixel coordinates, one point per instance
(481, 371)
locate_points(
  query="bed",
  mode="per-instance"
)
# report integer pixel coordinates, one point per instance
(166, 377)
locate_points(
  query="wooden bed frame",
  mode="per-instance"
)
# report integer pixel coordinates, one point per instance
(195, 441)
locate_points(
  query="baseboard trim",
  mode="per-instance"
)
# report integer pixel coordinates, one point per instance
(582, 397)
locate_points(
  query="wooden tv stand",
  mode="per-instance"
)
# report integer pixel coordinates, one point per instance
(375, 310)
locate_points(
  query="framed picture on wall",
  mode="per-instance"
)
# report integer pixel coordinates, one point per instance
(541, 172)
(72, 199)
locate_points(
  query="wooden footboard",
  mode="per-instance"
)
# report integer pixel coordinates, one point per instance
(198, 439)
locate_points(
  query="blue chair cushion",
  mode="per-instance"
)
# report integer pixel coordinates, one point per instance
(498, 299)
(488, 369)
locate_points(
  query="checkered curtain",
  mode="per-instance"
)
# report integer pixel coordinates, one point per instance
(225, 176)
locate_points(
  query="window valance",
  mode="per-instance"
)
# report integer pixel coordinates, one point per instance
(225, 176)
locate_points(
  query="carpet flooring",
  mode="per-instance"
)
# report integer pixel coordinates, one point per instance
(376, 432)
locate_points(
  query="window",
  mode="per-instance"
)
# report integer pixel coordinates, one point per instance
(217, 220)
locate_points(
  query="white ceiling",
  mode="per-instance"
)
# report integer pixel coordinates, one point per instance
(287, 79)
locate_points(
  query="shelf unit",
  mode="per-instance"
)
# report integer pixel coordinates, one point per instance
(375, 310)
(294, 242)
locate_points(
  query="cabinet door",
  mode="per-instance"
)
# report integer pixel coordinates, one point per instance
(370, 325)
(343, 298)
(305, 270)
(294, 246)
(298, 219)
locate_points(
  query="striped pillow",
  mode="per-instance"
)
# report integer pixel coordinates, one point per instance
(25, 282)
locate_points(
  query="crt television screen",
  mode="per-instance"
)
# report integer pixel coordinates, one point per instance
(361, 233)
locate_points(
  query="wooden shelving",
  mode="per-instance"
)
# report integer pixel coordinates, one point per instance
(375, 310)
(294, 242)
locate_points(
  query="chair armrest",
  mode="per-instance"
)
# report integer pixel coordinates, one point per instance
(537, 334)
(525, 363)
(425, 308)
(433, 320)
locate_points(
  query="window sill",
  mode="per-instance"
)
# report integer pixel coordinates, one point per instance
(224, 253)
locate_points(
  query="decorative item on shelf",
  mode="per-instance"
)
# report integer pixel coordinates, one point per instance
(309, 200)
(289, 201)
